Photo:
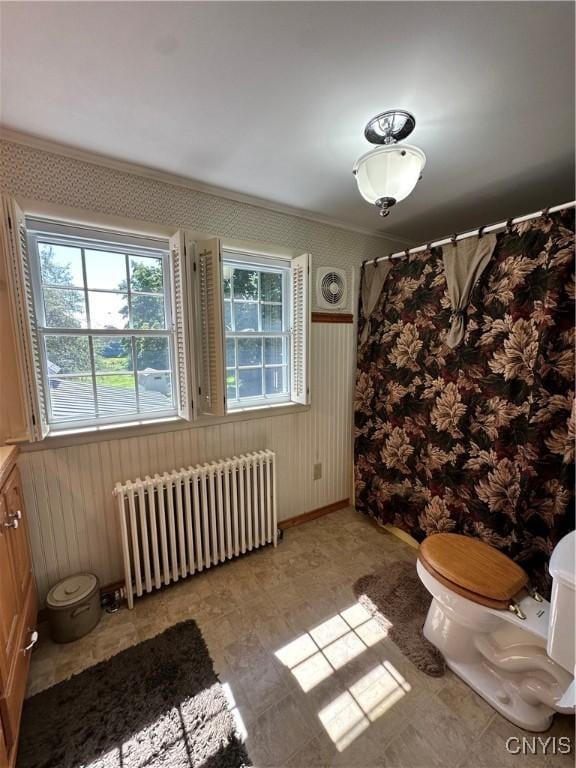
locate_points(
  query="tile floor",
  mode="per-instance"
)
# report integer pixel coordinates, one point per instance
(312, 678)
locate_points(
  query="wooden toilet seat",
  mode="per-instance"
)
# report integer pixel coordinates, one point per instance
(472, 569)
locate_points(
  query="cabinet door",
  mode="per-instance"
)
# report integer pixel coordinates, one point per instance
(3, 745)
(11, 605)
(18, 535)
(13, 698)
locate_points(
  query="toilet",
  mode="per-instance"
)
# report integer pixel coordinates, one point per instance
(501, 637)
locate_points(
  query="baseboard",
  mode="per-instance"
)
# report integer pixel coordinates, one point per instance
(313, 514)
(400, 534)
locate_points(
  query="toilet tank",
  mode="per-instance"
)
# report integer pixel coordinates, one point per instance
(562, 568)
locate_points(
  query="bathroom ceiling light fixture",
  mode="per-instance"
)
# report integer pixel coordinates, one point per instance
(389, 173)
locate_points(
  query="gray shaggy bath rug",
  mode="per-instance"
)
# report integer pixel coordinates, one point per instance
(399, 602)
(158, 704)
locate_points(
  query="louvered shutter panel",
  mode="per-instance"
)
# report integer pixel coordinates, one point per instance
(180, 264)
(300, 367)
(209, 335)
(20, 282)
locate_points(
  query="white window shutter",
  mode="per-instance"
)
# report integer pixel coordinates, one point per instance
(20, 278)
(209, 333)
(180, 265)
(299, 378)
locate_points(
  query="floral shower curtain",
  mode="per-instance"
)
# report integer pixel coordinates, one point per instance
(478, 439)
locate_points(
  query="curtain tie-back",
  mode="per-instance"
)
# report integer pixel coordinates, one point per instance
(371, 283)
(464, 262)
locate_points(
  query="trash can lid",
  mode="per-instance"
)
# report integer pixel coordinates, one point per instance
(71, 590)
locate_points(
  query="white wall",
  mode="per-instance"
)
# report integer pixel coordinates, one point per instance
(68, 490)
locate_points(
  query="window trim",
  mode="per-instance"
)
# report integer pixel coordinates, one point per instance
(107, 235)
(242, 258)
(57, 233)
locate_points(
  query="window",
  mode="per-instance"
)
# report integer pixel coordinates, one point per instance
(120, 328)
(103, 325)
(257, 330)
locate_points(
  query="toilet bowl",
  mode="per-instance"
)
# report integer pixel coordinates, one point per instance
(506, 642)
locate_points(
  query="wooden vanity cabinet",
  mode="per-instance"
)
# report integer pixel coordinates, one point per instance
(18, 606)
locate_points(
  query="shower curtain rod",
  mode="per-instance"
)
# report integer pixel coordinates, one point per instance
(472, 233)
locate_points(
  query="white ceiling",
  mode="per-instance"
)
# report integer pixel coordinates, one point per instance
(270, 99)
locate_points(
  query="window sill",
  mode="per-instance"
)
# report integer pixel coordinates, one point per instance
(261, 407)
(63, 439)
(57, 434)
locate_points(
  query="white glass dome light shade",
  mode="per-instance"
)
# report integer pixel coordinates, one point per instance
(390, 171)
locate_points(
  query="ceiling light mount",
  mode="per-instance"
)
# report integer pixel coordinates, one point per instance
(388, 173)
(390, 126)
(384, 204)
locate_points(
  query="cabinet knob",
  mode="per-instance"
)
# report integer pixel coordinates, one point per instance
(11, 524)
(15, 515)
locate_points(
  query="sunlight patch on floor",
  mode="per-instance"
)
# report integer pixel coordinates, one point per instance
(312, 671)
(343, 720)
(317, 654)
(372, 631)
(297, 651)
(351, 713)
(379, 690)
(329, 631)
(343, 650)
(241, 731)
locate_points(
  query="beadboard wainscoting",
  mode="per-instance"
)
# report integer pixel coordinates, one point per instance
(68, 490)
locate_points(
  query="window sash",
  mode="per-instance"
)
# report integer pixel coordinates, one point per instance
(261, 265)
(95, 375)
(267, 266)
(126, 249)
(237, 368)
(84, 245)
